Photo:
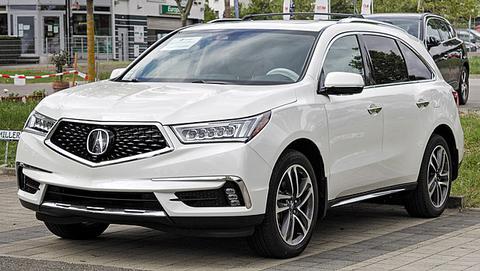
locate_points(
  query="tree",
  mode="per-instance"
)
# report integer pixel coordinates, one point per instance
(184, 11)
(209, 14)
(90, 42)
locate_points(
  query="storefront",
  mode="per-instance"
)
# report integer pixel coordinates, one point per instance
(123, 28)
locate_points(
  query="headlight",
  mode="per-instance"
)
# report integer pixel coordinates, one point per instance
(238, 130)
(38, 123)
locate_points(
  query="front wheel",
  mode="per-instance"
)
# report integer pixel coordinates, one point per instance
(430, 197)
(77, 231)
(291, 210)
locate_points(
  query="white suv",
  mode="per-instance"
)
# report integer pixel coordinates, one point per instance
(249, 128)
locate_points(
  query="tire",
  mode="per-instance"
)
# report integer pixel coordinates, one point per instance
(274, 238)
(426, 203)
(464, 87)
(78, 231)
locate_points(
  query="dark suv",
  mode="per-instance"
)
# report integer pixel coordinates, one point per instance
(441, 40)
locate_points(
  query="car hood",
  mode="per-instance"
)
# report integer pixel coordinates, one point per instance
(168, 103)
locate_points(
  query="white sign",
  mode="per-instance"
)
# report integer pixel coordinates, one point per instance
(19, 81)
(286, 9)
(136, 50)
(138, 33)
(321, 6)
(181, 43)
(7, 135)
(367, 6)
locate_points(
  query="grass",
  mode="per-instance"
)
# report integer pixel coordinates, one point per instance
(104, 70)
(13, 115)
(474, 64)
(468, 183)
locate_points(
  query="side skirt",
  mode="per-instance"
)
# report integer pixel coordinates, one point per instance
(371, 194)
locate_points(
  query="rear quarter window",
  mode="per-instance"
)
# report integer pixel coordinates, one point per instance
(416, 68)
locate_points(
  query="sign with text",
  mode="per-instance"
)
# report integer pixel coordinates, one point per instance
(171, 10)
(138, 33)
(367, 6)
(321, 6)
(8, 135)
(287, 9)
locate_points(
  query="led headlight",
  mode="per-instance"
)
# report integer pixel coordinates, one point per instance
(38, 123)
(239, 130)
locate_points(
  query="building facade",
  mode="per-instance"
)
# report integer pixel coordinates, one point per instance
(123, 28)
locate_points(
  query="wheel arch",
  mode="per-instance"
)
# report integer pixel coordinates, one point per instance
(312, 152)
(446, 132)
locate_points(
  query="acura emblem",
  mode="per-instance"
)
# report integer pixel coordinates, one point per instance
(98, 140)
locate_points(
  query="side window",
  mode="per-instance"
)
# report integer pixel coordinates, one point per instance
(387, 61)
(417, 70)
(444, 31)
(343, 56)
(433, 30)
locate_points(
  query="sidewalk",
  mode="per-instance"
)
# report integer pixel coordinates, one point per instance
(25, 90)
(357, 237)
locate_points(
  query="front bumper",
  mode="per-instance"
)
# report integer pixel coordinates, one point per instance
(188, 168)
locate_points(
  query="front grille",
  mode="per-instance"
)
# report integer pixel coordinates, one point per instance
(111, 200)
(126, 140)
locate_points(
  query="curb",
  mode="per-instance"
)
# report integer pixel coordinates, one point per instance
(8, 171)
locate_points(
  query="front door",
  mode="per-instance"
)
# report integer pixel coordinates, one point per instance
(355, 126)
(52, 34)
(24, 28)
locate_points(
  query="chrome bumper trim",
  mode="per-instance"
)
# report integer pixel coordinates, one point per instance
(238, 180)
(101, 210)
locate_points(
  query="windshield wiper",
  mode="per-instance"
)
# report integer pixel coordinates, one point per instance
(200, 81)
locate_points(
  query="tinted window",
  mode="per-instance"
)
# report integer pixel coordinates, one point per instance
(444, 31)
(387, 61)
(411, 25)
(433, 30)
(417, 70)
(343, 56)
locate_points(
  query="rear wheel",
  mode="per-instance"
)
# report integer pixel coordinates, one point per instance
(434, 182)
(77, 231)
(291, 209)
(464, 87)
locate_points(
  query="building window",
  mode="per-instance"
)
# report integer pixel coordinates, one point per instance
(102, 24)
(3, 24)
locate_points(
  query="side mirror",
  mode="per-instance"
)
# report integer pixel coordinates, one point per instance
(432, 42)
(344, 83)
(116, 73)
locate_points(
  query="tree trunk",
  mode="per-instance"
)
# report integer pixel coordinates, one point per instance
(228, 11)
(184, 18)
(90, 41)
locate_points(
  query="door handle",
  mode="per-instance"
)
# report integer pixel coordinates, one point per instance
(422, 103)
(374, 109)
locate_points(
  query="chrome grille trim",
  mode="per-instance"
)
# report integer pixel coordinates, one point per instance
(86, 162)
(101, 210)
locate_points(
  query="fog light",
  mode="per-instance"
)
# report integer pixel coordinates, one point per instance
(232, 197)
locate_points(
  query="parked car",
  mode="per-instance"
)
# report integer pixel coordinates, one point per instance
(248, 128)
(468, 39)
(438, 35)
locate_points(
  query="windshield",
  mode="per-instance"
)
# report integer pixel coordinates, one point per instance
(411, 25)
(227, 57)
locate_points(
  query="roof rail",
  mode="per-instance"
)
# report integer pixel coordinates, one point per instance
(368, 21)
(224, 20)
(343, 15)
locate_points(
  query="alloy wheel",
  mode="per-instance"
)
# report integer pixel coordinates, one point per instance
(295, 205)
(438, 173)
(464, 86)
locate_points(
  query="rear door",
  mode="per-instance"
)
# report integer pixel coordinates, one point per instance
(403, 85)
(355, 129)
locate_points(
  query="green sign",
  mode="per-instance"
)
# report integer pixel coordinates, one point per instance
(167, 9)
